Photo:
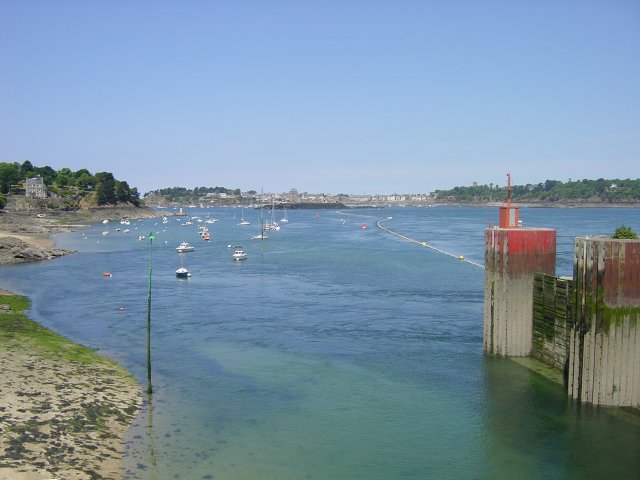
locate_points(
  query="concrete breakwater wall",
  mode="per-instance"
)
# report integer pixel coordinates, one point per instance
(604, 342)
(586, 327)
(512, 256)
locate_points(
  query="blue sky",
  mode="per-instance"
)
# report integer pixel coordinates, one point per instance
(324, 96)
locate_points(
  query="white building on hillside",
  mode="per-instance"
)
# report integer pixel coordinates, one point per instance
(36, 188)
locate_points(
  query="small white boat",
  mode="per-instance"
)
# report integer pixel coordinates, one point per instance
(185, 247)
(105, 221)
(126, 230)
(262, 236)
(183, 273)
(239, 253)
(284, 218)
(141, 237)
(211, 220)
(106, 232)
(165, 220)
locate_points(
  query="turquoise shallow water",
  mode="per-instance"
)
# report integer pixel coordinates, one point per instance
(332, 352)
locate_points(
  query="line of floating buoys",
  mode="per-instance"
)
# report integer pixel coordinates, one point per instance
(425, 244)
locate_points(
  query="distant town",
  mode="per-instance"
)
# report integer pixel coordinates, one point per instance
(176, 197)
(611, 192)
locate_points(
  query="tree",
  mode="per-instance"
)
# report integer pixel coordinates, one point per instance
(64, 178)
(9, 175)
(121, 191)
(3, 201)
(85, 180)
(47, 173)
(134, 196)
(26, 169)
(105, 188)
(625, 233)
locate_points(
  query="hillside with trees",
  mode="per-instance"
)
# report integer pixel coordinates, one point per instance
(71, 190)
(186, 196)
(613, 191)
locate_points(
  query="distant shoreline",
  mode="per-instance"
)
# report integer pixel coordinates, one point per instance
(433, 203)
(25, 234)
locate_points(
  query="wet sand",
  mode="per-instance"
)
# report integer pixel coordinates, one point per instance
(63, 409)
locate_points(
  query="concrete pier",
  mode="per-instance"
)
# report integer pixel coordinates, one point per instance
(512, 257)
(604, 343)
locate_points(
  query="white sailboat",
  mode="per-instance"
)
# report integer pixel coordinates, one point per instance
(273, 225)
(284, 218)
(242, 220)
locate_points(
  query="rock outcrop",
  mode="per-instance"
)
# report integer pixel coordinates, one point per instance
(14, 250)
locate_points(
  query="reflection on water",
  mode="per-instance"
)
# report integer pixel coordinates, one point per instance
(331, 352)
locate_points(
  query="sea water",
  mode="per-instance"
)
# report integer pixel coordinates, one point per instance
(332, 352)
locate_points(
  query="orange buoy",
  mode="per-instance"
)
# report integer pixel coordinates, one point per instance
(364, 226)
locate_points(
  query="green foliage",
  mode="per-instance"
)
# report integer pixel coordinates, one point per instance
(625, 232)
(105, 188)
(10, 176)
(3, 201)
(185, 195)
(601, 190)
(72, 186)
(26, 169)
(17, 327)
(47, 173)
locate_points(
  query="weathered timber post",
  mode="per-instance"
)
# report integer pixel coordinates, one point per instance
(604, 341)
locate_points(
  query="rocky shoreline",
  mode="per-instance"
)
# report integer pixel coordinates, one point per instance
(24, 235)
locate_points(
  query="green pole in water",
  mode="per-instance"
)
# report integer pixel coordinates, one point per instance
(149, 388)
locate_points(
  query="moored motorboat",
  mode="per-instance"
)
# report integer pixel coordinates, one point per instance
(183, 273)
(239, 253)
(185, 247)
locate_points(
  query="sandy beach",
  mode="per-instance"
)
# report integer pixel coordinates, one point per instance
(63, 408)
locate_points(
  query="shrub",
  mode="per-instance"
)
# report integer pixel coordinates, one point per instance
(625, 232)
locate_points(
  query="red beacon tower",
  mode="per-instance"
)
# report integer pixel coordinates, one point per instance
(513, 255)
(509, 216)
